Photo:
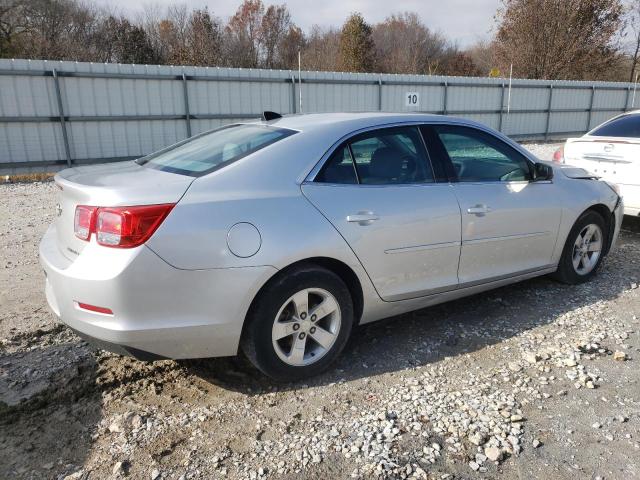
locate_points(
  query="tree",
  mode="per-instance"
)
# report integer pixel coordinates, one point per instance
(405, 45)
(322, 49)
(460, 64)
(204, 39)
(12, 27)
(482, 54)
(243, 34)
(124, 42)
(356, 45)
(558, 39)
(275, 25)
(634, 23)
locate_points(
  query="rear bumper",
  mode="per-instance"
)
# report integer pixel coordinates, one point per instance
(631, 194)
(158, 311)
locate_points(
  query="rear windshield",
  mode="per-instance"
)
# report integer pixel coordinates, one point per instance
(627, 126)
(211, 151)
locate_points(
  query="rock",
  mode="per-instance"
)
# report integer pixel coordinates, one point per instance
(494, 454)
(620, 356)
(536, 443)
(155, 474)
(474, 466)
(596, 425)
(514, 367)
(75, 475)
(532, 357)
(477, 438)
(114, 427)
(117, 468)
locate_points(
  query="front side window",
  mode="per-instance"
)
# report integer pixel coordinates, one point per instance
(479, 157)
(627, 126)
(213, 150)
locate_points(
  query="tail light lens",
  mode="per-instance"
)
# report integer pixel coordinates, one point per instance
(122, 227)
(83, 221)
(558, 156)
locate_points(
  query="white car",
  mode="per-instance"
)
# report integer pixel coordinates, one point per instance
(610, 151)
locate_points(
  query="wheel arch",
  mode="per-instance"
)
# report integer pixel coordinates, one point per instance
(609, 222)
(338, 267)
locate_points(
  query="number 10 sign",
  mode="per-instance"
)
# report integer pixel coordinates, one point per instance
(412, 99)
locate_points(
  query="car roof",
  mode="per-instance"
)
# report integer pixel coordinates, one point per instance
(352, 121)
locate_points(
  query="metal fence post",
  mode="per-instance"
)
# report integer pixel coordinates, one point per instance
(186, 105)
(63, 123)
(293, 94)
(501, 108)
(380, 94)
(593, 94)
(445, 98)
(546, 130)
(626, 102)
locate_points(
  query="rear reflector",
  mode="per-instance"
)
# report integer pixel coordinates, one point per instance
(93, 308)
(120, 227)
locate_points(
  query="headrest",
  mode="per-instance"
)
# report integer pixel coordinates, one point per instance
(386, 163)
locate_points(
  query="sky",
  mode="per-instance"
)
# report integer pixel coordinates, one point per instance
(463, 21)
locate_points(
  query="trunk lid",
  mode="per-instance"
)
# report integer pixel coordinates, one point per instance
(613, 158)
(110, 185)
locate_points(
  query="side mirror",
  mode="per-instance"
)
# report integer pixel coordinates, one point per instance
(542, 172)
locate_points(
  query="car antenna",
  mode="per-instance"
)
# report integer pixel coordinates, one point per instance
(267, 115)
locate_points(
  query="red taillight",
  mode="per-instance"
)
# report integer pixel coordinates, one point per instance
(83, 221)
(558, 156)
(123, 227)
(93, 308)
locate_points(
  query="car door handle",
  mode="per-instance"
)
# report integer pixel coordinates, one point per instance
(363, 218)
(478, 210)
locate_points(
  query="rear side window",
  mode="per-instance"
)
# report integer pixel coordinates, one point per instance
(211, 151)
(381, 157)
(625, 126)
(339, 168)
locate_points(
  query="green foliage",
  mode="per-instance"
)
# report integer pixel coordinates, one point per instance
(356, 45)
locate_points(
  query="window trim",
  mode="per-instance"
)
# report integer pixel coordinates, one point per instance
(347, 140)
(449, 162)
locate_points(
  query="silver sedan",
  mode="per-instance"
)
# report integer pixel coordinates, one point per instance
(277, 237)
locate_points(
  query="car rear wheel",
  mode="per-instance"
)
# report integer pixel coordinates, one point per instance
(298, 324)
(583, 250)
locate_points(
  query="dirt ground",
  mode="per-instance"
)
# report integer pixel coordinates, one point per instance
(534, 380)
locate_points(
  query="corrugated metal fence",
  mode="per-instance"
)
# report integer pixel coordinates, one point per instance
(54, 114)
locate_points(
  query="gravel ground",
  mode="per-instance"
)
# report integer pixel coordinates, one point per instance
(534, 380)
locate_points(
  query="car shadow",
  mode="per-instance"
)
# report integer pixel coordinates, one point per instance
(49, 406)
(450, 329)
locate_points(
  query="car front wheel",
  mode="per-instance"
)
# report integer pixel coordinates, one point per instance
(583, 250)
(298, 324)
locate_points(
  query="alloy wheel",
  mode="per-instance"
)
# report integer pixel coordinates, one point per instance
(587, 249)
(306, 327)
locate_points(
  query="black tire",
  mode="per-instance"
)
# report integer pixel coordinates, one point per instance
(566, 272)
(256, 342)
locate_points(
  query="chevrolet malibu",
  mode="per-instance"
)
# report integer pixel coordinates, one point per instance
(277, 237)
(612, 152)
